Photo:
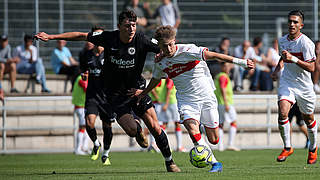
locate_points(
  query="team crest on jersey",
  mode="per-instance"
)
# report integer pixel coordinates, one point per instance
(131, 50)
(96, 33)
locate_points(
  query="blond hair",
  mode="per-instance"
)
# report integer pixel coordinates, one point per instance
(165, 33)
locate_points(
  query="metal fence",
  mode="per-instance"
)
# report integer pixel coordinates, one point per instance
(204, 22)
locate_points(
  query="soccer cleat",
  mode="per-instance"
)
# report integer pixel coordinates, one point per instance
(142, 140)
(284, 154)
(105, 160)
(95, 152)
(216, 167)
(312, 156)
(172, 167)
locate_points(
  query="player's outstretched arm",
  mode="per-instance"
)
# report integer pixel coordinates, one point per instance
(69, 36)
(247, 63)
(152, 84)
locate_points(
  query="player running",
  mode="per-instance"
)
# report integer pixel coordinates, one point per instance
(185, 65)
(295, 84)
(125, 54)
(91, 62)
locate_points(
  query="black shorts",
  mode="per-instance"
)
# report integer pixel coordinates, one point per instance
(123, 104)
(97, 104)
(294, 111)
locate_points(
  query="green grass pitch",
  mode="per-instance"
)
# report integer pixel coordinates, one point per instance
(250, 164)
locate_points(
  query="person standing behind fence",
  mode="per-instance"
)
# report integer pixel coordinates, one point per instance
(78, 100)
(169, 14)
(227, 112)
(63, 62)
(30, 62)
(7, 63)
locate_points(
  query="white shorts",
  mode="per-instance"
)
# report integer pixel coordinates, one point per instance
(81, 116)
(205, 112)
(224, 116)
(171, 114)
(305, 100)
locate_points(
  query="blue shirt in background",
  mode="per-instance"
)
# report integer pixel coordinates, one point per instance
(58, 57)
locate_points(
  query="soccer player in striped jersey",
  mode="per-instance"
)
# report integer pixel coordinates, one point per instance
(295, 84)
(197, 103)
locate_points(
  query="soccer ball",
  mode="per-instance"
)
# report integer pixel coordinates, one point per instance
(200, 156)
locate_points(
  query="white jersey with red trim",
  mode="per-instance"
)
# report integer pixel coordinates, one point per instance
(293, 75)
(189, 72)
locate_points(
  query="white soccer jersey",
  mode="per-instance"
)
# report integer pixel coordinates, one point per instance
(189, 72)
(293, 75)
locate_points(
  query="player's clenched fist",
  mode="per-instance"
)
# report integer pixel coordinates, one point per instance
(289, 57)
(250, 64)
(42, 36)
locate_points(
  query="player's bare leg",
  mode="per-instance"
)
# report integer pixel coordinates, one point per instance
(151, 121)
(193, 129)
(133, 128)
(91, 130)
(284, 127)
(312, 134)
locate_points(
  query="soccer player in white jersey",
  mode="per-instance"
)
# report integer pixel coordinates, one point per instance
(295, 84)
(185, 65)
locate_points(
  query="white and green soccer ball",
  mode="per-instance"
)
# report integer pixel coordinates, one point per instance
(200, 156)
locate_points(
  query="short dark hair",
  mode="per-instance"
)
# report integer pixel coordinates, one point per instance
(256, 41)
(27, 37)
(94, 28)
(127, 14)
(297, 13)
(165, 32)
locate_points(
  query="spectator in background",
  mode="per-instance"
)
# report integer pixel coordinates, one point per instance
(63, 62)
(223, 48)
(7, 63)
(169, 14)
(316, 73)
(140, 12)
(262, 72)
(272, 59)
(30, 62)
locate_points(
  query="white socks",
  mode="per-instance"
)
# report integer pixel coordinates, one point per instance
(232, 134)
(312, 134)
(179, 138)
(106, 153)
(284, 127)
(220, 144)
(96, 143)
(80, 136)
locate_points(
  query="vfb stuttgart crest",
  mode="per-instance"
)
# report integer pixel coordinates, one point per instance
(131, 50)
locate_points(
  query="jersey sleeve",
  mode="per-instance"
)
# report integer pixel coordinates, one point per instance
(223, 81)
(97, 38)
(308, 50)
(169, 83)
(157, 73)
(150, 45)
(196, 51)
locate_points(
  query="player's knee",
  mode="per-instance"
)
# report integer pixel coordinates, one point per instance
(233, 124)
(106, 125)
(214, 141)
(89, 122)
(128, 124)
(283, 115)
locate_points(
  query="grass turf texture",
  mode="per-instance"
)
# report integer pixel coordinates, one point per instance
(252, 164)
